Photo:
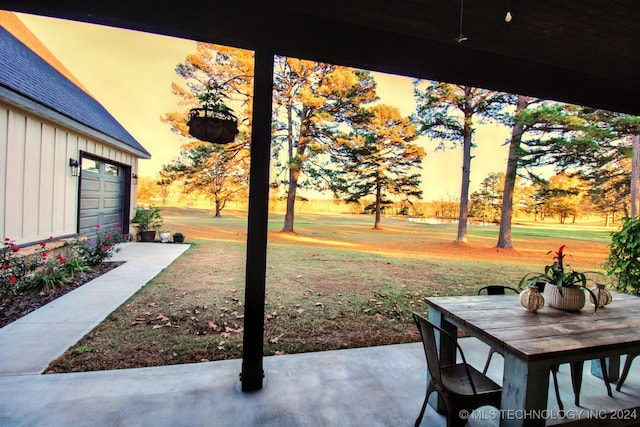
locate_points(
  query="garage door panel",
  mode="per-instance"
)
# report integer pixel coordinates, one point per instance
(87, 203)
(88, 222)
(111, 220)
(112, 187)
(90, 184)
(112, 203)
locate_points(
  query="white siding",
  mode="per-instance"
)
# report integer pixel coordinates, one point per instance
(38, 195)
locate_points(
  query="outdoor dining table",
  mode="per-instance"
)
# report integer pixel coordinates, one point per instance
(532, 343)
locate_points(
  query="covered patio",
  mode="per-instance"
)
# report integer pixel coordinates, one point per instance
(376, 386)
(582, 53)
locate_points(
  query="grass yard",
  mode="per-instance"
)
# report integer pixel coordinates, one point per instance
(335, 284)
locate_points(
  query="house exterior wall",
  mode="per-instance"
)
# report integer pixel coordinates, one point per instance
(38, 194)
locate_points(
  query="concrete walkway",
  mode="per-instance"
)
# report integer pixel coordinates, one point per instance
(29, 344)
(368, 387)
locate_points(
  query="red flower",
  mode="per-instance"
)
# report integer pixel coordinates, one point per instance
(43, 244)
(4, 266)
(61, 259)
(44, 255)
(13, 279)
(98, 226)
(15, 248)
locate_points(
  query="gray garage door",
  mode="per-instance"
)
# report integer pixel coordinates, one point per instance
(102, 194)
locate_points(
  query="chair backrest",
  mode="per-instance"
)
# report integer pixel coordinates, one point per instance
(497, 290)
(428, 333)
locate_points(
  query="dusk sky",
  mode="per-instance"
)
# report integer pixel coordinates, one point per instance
(130, 73)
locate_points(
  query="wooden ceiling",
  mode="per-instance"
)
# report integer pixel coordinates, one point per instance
(581, 51)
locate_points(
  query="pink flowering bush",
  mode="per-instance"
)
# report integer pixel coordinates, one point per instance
(101, 245)
(17, 271)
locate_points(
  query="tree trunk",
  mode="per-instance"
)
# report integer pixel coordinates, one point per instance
(291, 200)
(218, 209)
(466, 171)
(506, 215)
(376, 224)
(295, 166)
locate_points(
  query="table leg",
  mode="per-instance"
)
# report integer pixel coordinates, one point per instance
(576, 379)
(613, 368)
(524, 392)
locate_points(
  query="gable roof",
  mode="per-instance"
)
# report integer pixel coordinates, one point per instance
(36, 82)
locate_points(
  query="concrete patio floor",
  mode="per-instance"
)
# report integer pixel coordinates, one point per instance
(375, 386)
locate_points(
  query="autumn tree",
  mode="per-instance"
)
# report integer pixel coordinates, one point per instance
(564, 195)
(220, 172)
(312, 101)
(582, 140)
(446, 113)
(485, 203)
(232, 70)
(377, 159)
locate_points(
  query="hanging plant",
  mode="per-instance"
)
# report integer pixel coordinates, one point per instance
(214, 121)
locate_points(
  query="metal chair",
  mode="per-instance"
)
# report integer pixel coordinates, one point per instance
(576, 367)
(625, 370)
(460, 385)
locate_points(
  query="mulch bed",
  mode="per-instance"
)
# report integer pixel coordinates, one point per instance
(14, 307)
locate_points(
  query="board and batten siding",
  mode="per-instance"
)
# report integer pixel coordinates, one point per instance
(38, 194)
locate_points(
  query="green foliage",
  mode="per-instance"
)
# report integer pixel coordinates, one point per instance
(16, 269)
(77, 265)
(378, 159)
(219, 172)
(623, 262)
(35, 272)
(50, 275)
(147, 218)
(212, 97)
(94, 250)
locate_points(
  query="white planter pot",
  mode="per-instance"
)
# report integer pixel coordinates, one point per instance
(164, 236)
(572, 299)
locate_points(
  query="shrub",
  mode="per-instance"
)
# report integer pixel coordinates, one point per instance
(147, 218)
(14, 269)
(102, 246)
(28, 273)
(49, 275)
(623, 262)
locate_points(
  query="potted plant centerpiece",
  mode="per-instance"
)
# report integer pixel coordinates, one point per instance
(214, 121)
(562, 286)
(148, 220)
(178, 237)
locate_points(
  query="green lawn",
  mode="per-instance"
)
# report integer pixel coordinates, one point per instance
(335, 284)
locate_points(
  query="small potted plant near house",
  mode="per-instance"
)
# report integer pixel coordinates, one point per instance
(164, 236)
(148, 220)
(563, 287)
(214, 121)
(178, 237)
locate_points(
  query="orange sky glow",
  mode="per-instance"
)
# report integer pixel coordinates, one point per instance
(130, 73)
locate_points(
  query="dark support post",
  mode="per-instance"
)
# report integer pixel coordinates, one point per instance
(254, 294)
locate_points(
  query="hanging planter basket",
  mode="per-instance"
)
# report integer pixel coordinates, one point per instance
(212, 126)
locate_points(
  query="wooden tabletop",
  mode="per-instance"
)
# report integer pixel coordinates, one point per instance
(500, 321)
